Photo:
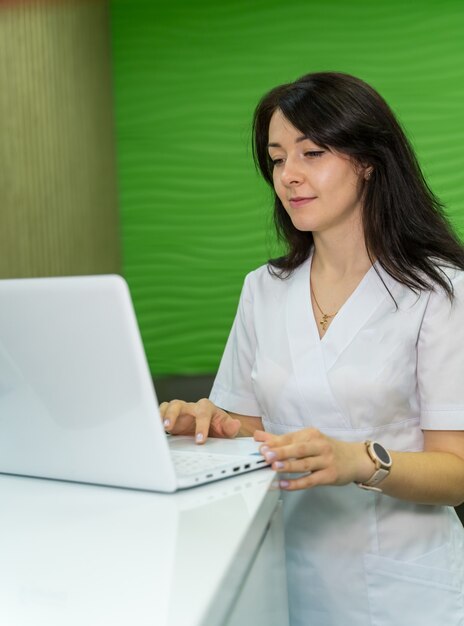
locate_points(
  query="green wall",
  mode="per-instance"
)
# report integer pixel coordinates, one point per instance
(187, 75)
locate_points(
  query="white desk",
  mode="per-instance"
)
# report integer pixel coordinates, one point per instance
(72, 554)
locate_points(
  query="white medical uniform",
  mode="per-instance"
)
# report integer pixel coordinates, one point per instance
(355, 557)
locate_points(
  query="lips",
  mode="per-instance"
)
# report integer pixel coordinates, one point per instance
(298, 201)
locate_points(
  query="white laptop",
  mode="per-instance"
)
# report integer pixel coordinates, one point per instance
(77, 400)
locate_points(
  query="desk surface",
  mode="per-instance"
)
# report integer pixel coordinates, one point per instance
(73, 554)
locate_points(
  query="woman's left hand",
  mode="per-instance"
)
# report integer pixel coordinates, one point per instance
(322, 460)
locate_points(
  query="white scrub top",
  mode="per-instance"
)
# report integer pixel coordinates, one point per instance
(383, 372)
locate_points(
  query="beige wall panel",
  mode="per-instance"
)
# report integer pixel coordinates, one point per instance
(58, 206)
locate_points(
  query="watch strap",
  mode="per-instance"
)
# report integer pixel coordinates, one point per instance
(377, 477)
(374, 480)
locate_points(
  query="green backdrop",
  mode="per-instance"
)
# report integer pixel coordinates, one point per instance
(187, 76)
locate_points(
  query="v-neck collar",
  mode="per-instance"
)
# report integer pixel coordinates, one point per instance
(351, 317)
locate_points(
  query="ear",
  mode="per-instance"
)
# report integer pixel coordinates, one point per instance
(367, 172)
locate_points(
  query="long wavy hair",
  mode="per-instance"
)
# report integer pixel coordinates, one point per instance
(405, 228)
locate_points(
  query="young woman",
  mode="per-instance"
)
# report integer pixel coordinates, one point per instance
(346, 360)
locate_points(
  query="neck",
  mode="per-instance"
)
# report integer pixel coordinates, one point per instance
(340, 256)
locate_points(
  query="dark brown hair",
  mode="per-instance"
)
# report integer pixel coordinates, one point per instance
(405, 228)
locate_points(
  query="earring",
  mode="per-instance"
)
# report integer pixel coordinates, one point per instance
(368, 175)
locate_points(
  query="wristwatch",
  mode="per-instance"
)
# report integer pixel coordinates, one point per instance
(382, 461)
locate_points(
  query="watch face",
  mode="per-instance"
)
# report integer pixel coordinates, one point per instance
(381, 453)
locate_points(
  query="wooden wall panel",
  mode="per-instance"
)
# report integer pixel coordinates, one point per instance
(58, 203)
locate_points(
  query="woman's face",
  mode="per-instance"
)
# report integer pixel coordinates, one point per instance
(319, 188)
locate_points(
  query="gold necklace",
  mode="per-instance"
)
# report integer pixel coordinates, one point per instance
(325, 316)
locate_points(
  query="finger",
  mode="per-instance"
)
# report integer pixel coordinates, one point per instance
(306, 434)
(172, 411)
(299, 450)
(274, 441)
(302, 482)
(322, 477)
(230, 427)
(168, 413)
(263, 436)
(299, 466)
(223, 424)
(203, 416)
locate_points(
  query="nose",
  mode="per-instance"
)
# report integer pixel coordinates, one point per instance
(291, 173)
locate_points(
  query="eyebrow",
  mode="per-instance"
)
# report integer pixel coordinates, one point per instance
(297, 140)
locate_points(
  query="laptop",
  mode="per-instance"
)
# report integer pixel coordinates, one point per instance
(77, 400)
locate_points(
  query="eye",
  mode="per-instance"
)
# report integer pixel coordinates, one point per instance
(314, 154)
(276, 162)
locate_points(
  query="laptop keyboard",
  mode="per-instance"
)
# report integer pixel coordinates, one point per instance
(187, 463)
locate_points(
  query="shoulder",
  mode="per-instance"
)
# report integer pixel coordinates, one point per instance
(266, 280)
(262, 275)
(439, 301)
(454, 276)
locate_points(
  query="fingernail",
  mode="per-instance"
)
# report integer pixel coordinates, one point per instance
(166, 423)
(264, 449)
(283, 484)
(199, 437)
(270, 456)
(278, 465)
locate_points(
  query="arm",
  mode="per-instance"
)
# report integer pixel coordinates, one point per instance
(434, 476)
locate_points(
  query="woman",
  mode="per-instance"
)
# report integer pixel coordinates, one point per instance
(345, 360)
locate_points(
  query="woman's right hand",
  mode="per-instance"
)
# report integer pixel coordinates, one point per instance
(200, 419)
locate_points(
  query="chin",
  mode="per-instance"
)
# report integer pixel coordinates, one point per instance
(305, 226)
